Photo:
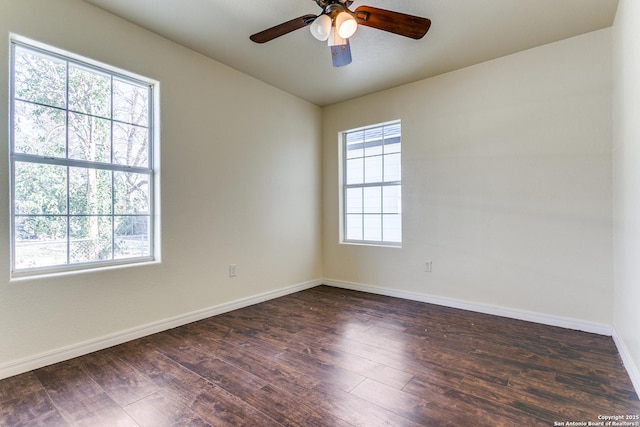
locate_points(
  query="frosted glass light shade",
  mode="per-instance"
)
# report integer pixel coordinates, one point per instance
(346, 25)
(321, 27)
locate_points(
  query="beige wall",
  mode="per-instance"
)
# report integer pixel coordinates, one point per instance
(507, 184)
(240, 184)
(626, 154)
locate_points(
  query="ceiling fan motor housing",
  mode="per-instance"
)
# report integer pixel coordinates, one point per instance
(325, 3)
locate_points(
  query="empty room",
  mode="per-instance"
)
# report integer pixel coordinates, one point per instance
(319, 213)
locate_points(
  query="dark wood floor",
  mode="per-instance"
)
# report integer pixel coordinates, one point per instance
(332, 357)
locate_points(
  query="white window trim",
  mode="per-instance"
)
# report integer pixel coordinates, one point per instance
(154, 159)
(342, 159)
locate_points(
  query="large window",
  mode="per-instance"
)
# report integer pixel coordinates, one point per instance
(372, 185)
(82, 163)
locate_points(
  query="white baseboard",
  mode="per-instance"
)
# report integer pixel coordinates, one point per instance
(563, 322)
(65, 353)
(628, 362)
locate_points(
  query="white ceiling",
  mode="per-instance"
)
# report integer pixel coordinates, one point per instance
(463, 33)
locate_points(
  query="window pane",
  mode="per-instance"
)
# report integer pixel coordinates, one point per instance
(392, 145)
(353, 227)
(130, 103)
(89, 92)
(392, 138)
(392, 167)
(355, 171)
(374, 132)
(354, 144)
(131, 237)
(373, 169)
(131, 193)
(40, 189)
(373, 138)
(40, 78)
(372, 199)
(89, 191)
(354, 200)
(39, 130)
(392, 228)
(392, 130)
(40, 241)
(392, 199)
(130, 145)
(90, 238)
(89, 138)
(373, 228)
(355, 151)
(373, 148)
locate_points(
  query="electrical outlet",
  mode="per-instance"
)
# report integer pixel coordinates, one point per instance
(428, 266)
(233, 270)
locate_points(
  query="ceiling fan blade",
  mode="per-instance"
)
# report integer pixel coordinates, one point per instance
(282, 29)
(411, 26)
(341, 54)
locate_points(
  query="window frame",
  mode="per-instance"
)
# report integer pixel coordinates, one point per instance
(345, 186)
(152, 170)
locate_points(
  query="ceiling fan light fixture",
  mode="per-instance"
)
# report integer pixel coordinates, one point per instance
(346, 25)
(321, 27)
(337, 23)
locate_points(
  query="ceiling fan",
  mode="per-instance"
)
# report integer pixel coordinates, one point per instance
(337, 23)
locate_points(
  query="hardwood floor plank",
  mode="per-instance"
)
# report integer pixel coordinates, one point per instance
(123, 383)
(365, 367)
(164, 372)
(499, 398)
(478, 411)
(223, 409)
(433, 380)
(210, 402)
(209, 329)
(161, 409)
(33, 408)
(79, 399)
(353, 409)
(407, 405)
(290, 410)
(570, 398)
(224, 375)
(331, 357)
(67, 381)
(327, 373)
(95, 411)
(19, 385)
(429, 409)
(250, 360)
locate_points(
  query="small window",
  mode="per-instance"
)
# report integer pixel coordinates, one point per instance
(82, 164)
(372, 185)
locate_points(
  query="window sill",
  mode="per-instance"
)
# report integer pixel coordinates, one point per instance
(373, 244)
(47, 273)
